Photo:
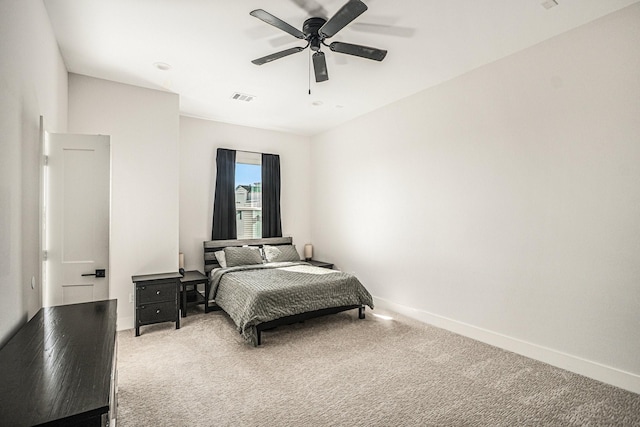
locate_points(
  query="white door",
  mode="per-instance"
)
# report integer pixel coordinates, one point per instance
(77, 218)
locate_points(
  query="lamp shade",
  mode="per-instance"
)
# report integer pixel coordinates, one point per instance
(308, 251)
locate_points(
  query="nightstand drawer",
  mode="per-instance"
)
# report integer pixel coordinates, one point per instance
(156, 292)
(158, 312)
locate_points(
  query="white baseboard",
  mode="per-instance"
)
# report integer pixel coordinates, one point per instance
(125, 322)
(578, 365)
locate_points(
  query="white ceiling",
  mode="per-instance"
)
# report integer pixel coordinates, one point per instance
(210, 44)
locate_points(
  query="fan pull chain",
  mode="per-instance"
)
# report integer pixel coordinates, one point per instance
(309, 73)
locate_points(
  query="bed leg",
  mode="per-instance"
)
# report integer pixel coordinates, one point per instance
(361, 312)
(206, 297)
(259, 333)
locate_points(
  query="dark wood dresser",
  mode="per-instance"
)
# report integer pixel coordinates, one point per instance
(60, 368)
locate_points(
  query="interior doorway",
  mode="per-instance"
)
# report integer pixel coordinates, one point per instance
(77, 201)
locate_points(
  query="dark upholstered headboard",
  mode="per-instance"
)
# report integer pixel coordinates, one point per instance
(211, 246)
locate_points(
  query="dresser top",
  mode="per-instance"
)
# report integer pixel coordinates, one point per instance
(58, 365)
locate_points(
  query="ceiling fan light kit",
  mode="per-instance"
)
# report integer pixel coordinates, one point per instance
(315, 31)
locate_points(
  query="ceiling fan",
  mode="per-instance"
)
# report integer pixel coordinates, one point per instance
(315, 31)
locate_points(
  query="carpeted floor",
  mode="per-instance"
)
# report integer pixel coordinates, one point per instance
(343, 371)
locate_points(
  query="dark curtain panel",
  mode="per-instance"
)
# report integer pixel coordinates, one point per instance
(224, 203)
(271, 226)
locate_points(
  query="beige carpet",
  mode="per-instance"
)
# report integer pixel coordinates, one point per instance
(342, 371)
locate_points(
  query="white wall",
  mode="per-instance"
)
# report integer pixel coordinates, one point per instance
(199, 140)
(33, 82)
(144, 129)
(504, 204)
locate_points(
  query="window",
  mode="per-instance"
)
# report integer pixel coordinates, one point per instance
(248, 195)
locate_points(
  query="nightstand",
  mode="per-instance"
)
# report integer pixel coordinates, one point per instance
(156, 299)
(193, 296)
(320, 263)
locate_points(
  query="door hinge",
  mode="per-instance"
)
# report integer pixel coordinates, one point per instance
(45, 255)
(46, 160)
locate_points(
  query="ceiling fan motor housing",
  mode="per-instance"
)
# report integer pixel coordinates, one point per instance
(310, 29)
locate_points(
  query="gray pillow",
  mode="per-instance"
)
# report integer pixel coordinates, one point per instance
(281, 253)
(242, 256)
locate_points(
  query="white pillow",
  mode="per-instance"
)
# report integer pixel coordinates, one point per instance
(221, 258)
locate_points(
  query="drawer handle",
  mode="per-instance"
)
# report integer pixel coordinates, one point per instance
(157, 292)
(143, 287)
(158, 311)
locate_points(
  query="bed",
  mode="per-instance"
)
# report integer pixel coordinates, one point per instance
(259, 295)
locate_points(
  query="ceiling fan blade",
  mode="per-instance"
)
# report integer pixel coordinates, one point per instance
(312, 7)
(320, 67)
(357, 50)
(347, 13)
(277, 55)
(276, 22)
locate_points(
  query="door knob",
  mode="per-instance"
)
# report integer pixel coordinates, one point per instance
(98, 273)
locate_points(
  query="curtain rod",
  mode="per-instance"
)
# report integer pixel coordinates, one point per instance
(252, 152)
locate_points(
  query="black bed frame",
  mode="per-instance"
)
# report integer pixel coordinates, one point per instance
(210, 263)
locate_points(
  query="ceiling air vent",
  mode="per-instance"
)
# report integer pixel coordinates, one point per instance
(242, 97)
(548, 4)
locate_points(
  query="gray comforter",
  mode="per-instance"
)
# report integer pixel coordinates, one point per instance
(253, 294)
